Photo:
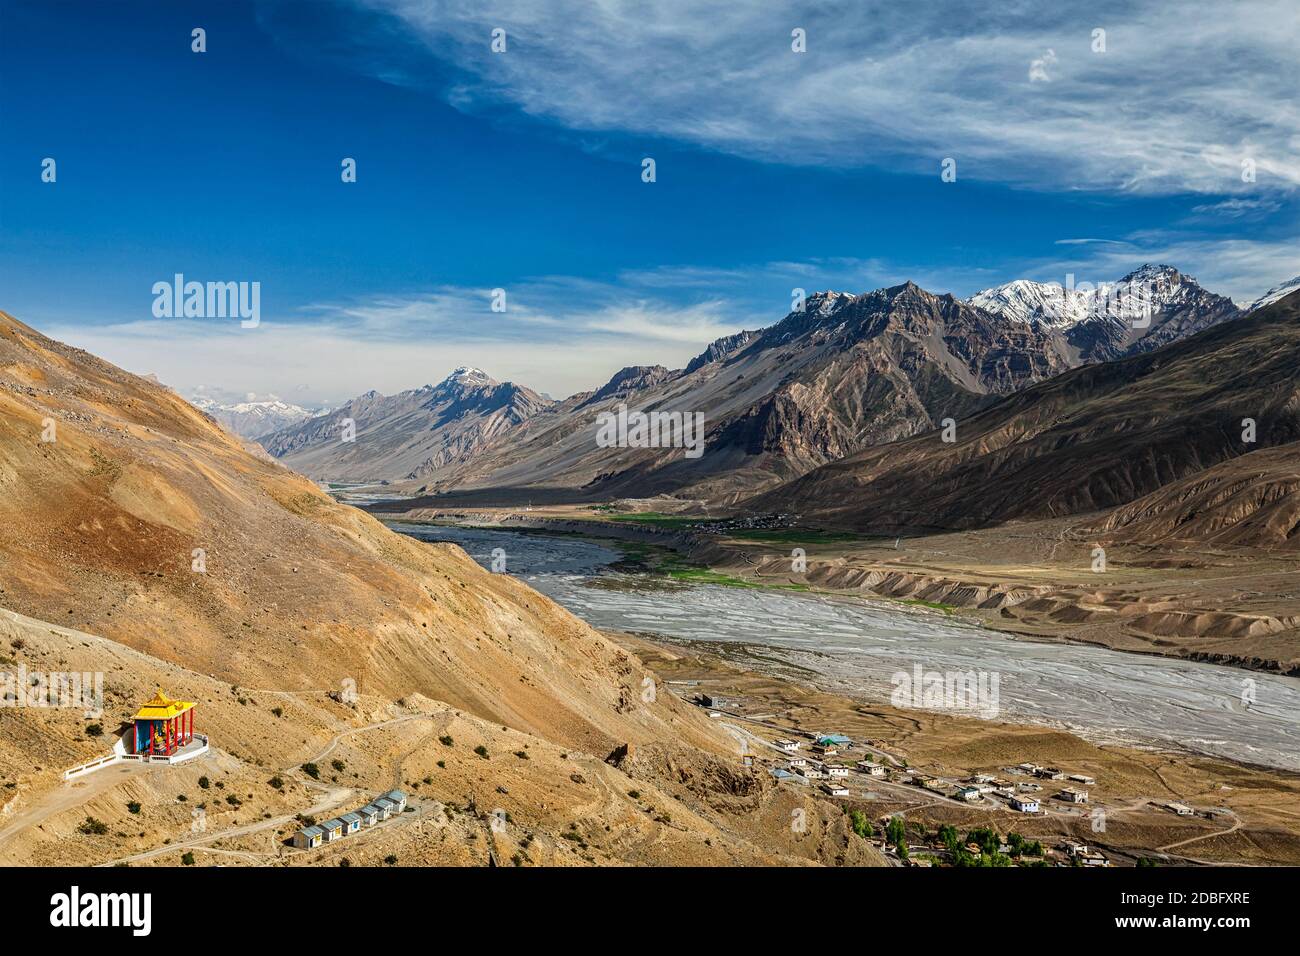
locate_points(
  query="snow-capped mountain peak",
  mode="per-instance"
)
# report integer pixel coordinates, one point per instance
(1049, 303)
(1147, 289)
(466, 375)
(1275, 293)
(252, 419)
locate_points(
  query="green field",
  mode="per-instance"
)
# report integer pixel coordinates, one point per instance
(705, 576)
(946, 608)
(656, 518)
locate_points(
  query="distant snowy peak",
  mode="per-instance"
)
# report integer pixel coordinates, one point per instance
(1026, 301)
(1063, 306)
(254, 419)
(1275, 293)
(468, 375)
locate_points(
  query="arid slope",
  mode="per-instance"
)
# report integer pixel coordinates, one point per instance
(145, 522)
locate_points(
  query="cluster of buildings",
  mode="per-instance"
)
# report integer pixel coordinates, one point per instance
(768, 522)
(824, 764)
(1068, 794)
(372, 814)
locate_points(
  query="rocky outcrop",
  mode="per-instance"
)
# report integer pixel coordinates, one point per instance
(630, 380)
(720, 349)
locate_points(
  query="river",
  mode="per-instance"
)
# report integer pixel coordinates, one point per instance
(858, 646)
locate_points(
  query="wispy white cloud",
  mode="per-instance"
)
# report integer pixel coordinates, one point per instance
(1234, 210)
(559, 334)
(1183, 93)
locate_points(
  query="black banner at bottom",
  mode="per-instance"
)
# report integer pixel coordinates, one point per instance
(231, 905)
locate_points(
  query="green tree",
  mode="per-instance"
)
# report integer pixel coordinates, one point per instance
(949, 837)
(861, 825)
(896, 833)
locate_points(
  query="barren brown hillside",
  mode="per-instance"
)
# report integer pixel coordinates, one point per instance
(479, 792)
(1248, 501)
(98, 530)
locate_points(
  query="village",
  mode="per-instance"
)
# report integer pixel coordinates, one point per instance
(1025, 814)
(1026, 793)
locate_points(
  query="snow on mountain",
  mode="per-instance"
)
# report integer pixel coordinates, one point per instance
(469, 376)
(1158, 288)
(1024, 300)
(254, 419)
(1275, 293)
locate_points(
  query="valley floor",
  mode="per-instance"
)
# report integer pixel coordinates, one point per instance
(1241, 815)
(1238, 607)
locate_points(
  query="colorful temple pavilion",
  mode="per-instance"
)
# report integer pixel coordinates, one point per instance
(163, 726)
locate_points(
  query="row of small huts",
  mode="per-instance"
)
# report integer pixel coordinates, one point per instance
(308, 838)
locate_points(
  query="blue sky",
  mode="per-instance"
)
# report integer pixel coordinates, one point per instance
(522, 170)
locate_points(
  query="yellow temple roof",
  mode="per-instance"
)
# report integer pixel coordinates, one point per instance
(163, 707)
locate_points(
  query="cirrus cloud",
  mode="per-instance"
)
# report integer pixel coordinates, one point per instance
(1181, 95)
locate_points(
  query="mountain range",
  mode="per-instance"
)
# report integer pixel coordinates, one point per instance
(1197, 441)
(413, 435)
(253, 419)
(841, 374)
